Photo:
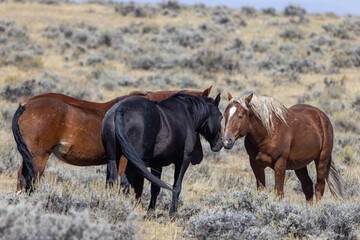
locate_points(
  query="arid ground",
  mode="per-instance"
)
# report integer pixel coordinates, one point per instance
(100, 50)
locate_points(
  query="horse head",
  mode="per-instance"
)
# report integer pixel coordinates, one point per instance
(211, 128)
(236, 121)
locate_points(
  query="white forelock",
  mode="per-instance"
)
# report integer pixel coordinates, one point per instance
(264, 108)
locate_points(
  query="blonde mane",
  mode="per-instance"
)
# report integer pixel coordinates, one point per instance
(264, 108)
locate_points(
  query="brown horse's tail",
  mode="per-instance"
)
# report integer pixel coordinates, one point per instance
(131, 154)
(27, 169)
(334, 180)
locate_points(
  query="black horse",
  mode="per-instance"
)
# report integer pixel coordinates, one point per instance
(156, 134)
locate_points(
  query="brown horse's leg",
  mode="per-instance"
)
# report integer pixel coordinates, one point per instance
(306, 183)
(21, 182)
(321, 169)
(40, 164)
(122, 166)
(280, 169)
(259, 173)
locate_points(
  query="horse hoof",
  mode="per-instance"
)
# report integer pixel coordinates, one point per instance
(18, 192)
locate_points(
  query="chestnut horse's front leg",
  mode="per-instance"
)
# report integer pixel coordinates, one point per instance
(280, 169)
(259, 173)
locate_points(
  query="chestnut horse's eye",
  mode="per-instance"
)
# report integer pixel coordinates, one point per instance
(240, 117)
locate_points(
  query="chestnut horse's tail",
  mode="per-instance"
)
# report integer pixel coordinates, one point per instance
(334, 180)
(27, 169)
(130, 153)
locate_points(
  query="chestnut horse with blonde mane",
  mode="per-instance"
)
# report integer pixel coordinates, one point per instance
(284, 138)
(68, 127)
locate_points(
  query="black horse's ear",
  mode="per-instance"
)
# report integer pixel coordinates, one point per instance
(248, 99)
(217, 100)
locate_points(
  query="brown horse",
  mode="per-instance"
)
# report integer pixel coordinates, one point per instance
(68, 127)
(282, 139)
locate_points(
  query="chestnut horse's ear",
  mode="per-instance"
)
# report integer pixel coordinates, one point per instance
(206, 92)
(248, 99)
(217, 100)
(229, 96)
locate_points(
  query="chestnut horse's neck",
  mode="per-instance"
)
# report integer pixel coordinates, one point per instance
(257, 133)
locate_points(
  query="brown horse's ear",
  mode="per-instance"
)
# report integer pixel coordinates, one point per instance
(206, 92)
(229, 96)
(217, 100)
(248, 99)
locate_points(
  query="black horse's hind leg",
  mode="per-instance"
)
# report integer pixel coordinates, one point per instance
(127, 178)
(180, 170)
(155, 190)
(113, 159)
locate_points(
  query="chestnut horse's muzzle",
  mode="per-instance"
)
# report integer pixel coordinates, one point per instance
(228, 142)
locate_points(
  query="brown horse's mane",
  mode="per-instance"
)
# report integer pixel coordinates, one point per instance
(264, 108)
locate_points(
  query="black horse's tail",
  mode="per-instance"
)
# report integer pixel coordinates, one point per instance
(130, 153)
(27, 169)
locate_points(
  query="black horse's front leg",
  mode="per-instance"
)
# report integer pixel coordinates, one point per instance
(155, 190)
(180, 170)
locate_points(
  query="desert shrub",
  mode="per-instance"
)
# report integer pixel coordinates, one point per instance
(269, 11)
(334, 89)
(336, 31)
(291, 33)
(212, 61)
(31, 222)
(28, 88)
(185, 36)
(178, 80)
(110, 79)
(248, 11)
(260, 45)
(323, 41)
(136, 10)
(47, 82)
(345, 123)
(287, 48)
(235, 45)
(341, 59)
(9, 158)
(222, 16)
(224, 225)
(355, 56)
(246, 214)
(356, 102)
(153, 60)
(93, 60)
(51, 32)
(214, 33)
(16, 47)
(292, 10)
(171, 4)
(233, 84)
(279, 63)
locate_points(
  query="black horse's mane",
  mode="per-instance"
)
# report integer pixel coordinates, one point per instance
(199, 106)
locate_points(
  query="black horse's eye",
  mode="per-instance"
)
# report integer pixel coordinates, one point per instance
(240, 117)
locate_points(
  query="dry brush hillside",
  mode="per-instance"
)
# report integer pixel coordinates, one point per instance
(97, 51)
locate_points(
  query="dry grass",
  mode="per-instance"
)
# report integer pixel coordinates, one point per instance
(213, 177)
